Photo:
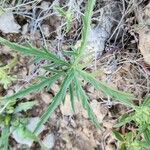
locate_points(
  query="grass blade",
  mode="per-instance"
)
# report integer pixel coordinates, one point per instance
(31, 51)
(56, 100)
(84, 99)
(123, 97)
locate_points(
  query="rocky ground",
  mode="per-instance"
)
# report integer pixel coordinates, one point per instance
(120, 47)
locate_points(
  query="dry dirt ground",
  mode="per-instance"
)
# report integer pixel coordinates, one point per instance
(123, 64)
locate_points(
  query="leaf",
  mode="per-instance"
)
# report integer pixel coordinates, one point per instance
(23, 135)
(145, 145)
(85, 30)
(53, 65)
(146, 102)
(56, 100)
(84, 99)
(130, 137)
(147, 136)
(33, 88)
(4, 138)
(2, 11)
(70, 53)
(5, 78)
(72, 97)
(25, 106)
(123, 97)
(124, 119)
(118, 136)
(47, 68)
(31, 51)
(26, 133)
(67, 15)
(123, 146)
(86, 24)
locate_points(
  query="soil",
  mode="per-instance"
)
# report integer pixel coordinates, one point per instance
(121, 65)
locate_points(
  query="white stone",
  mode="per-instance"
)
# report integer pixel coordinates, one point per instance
(8, 24)
(49, 141)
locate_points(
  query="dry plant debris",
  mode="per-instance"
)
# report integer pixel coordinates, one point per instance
(144, 33)
(118, 62)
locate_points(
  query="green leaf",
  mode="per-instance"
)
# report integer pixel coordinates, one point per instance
(24, 133)
(47, 68)
(124, 119)
(84, 99)
(31, 51)
(25, 106)
(56, 100)
(28, 134)
(53, 65)
(86, 24)
(68, 15)
(146, 102)
(5, 77)
(145, 145)
(130, 136)
(123, 146)
(118, 136)
(2, 11)
(33, 88)
(123, 97)
(147, 136)
(4, 138)
(70, 53)
(85, 30)
(36, 87)
(72, 96)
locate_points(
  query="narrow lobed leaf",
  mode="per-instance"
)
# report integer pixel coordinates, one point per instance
(31, 51)
(33, 88)
(72, 96)
(87, 24)
(123, 97)
(84, 99)
(56, 100)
